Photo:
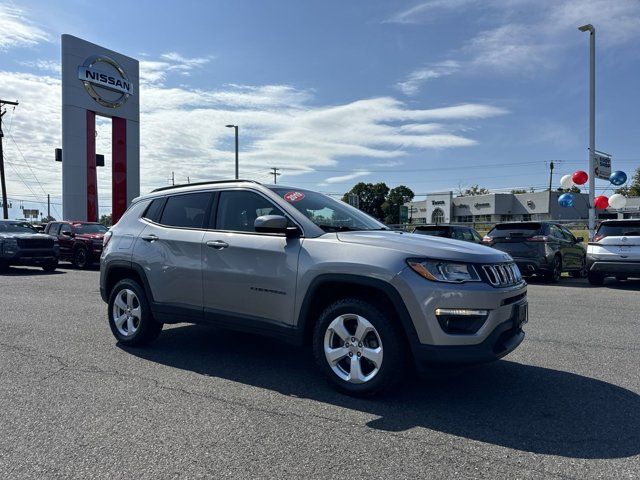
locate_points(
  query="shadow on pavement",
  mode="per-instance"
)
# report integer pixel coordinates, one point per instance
(517, 406)
(24, 271)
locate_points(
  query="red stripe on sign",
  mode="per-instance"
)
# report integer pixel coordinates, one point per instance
(119, 166)
(92, 175)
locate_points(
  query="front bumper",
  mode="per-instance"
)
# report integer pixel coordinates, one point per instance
(30, 257)
(500, 342)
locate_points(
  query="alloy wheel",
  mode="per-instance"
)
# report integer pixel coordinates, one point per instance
(353, 348)
(127, 312)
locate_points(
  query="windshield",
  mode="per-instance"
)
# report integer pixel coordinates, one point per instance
(515, 230)
(85, 228)
(329, 214)
(17, 227)
(619, 229)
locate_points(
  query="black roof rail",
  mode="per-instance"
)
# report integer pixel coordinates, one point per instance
(211, 182)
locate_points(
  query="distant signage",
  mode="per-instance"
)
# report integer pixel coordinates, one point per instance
(30, 213)
(115, 81)
(404, 214)
(437, 202)
(602, 163)
(481, 205)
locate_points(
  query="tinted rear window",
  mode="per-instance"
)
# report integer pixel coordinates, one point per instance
(187, 211)
(154, 210)
(438, 232)
(620, 229)
(515, 230)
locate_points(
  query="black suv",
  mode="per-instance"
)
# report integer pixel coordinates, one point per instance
(21, 244)
(80, 242)
(540, 248)
(457, 232)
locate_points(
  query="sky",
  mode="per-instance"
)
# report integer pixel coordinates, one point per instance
(437, 95)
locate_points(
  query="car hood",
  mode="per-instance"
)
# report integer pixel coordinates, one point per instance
(426, 246)
(24, 235)
(90, 236)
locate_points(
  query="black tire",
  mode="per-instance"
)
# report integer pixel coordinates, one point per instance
(81, 258)
(4, 266)
(582, 273)
(51, 266)
(596, 279)
(556, 270)
(147, 330)
(395, 363)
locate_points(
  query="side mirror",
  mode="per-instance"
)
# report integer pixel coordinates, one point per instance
(275, 224)
(579, 239)
(67, 234)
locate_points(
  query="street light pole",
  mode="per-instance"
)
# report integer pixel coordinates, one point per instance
(235, 127)
(592, 123)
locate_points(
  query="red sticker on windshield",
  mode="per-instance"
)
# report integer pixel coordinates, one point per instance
(293, 196)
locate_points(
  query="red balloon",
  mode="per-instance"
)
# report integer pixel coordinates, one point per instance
(580, 177)
(601, 202)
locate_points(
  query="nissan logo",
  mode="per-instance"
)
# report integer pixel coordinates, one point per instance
(114, 81)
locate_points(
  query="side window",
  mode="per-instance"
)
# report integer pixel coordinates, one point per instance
(53, 229)
(154, 210)
(457, 233)
(568, 235)
(237, 210)
(467, 235)
(556, 232)
(187, 211)
(476, 236)
(65, 227)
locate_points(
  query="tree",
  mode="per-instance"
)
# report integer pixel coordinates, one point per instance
(475, 190)
(397, 197)
(47, 219)
(632, 190)
(519, 190)
(371, 195)
(106, 220)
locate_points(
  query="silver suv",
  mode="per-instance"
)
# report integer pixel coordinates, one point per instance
(303, 267)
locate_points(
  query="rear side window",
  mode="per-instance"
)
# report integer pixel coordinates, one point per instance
(186, 211)
(516, 230)
(65, 227)
(619, 229)
(238, 210)
(154, 210)
(437, 232)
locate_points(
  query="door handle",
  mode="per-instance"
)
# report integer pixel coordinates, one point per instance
(150, 238)
(217, 244)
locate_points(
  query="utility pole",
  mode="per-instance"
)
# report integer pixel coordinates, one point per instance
(592, 123)
(550, 175)
(188, 180)
(275, 174)
(3, 184)
(48, 206)
(173, 178)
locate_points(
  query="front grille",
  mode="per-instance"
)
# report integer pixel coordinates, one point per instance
(35, 242)
(502, 274)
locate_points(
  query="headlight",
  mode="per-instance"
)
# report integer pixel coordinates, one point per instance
(10, 245)
(442, 271)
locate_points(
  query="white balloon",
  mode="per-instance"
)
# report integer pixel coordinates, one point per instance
(617, 201)
(566, 181)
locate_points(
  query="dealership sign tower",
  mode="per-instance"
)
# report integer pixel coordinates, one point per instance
(98, 81)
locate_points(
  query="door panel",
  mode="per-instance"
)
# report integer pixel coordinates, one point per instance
(255, 275)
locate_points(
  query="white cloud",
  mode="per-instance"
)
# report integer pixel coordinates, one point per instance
(426, 11)
(155, 71)
(411, 85)
(16, 30)
(183, 129)
(43, 65)
(345, 178)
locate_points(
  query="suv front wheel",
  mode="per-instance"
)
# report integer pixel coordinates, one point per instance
(359, 348)
(130, 316)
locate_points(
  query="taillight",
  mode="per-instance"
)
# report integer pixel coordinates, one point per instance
(106, 239)
(538, 238)
(487, 239)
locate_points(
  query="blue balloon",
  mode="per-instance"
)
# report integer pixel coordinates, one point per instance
(618, 178)
(565, 200)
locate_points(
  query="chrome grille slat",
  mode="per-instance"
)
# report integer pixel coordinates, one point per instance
(502, 274)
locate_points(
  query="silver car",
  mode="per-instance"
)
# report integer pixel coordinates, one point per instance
(300, 266)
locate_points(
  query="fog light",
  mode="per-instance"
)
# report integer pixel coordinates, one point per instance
(461, 321)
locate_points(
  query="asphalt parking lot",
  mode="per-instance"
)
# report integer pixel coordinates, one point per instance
(206, 403)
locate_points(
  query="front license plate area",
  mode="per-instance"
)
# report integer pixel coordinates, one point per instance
(521, 315)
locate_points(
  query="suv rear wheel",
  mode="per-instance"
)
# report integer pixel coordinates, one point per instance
(130, 316)
(358, 348)
(556, 270)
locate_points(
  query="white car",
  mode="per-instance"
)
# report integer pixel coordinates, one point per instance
(614, 251)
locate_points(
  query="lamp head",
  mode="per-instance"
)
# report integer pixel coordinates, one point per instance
(587, 28)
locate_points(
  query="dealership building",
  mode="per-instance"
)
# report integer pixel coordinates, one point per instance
(444, 207)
